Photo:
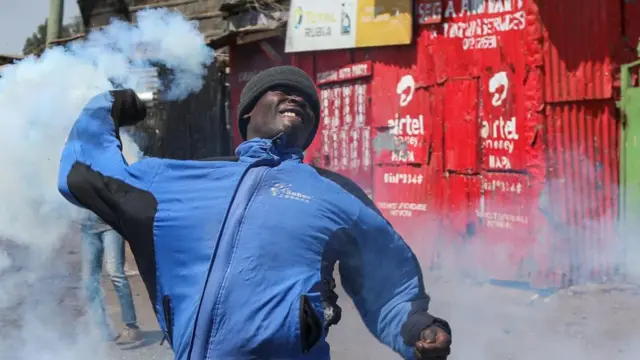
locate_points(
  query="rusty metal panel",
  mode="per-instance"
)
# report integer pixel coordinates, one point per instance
(582, 188)
(579, 48)
(461, 130)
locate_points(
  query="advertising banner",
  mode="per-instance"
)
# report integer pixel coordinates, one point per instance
(344, 24)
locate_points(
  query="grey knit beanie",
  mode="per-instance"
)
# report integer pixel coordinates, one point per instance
(280, 76)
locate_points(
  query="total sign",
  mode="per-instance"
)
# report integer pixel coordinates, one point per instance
(403, 140)
(321, 25)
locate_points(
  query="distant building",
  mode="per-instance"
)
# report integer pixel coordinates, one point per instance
(8, 59)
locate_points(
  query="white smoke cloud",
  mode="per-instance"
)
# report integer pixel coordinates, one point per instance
(40, 98)
(583, 322)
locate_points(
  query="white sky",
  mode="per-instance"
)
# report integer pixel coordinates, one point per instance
(20, 18)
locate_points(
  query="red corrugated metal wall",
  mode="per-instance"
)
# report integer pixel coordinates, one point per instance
(583, 186)
(493, 139)
(407, 110)
(579, 48)
(582, 135)
(484, 55)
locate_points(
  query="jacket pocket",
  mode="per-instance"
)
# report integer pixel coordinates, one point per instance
(311, 324)
(168, 318)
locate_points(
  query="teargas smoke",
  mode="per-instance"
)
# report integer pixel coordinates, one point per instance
(40, 99)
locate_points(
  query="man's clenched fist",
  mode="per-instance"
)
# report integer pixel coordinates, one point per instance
(434, 344)
(127, 108)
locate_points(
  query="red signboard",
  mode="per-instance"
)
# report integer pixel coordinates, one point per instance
(403, 193)
(403, 120)
(346, 73)
(429, 11)
(502, 126)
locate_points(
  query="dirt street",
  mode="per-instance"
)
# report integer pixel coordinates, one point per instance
(489, 322)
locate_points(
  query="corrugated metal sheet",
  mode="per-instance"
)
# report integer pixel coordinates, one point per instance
(582, 189)
(580, 45)
(407, 117)
(485, 56)
(513, 190)
(461, 126)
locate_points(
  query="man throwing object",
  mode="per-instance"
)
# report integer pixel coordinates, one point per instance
(238, 254)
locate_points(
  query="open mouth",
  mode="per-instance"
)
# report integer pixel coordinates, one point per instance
(292, 112)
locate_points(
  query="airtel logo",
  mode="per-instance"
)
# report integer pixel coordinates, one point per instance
(498, 87)
(406, 83)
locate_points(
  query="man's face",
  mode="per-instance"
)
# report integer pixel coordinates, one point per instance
(281, 110)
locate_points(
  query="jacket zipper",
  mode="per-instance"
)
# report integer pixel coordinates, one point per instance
(215, 251)
(168, 318)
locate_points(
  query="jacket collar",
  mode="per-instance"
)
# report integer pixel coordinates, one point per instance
(267, 149)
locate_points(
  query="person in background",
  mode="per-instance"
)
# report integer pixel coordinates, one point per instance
(100, 243)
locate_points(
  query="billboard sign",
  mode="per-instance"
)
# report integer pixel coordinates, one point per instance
(344, 24)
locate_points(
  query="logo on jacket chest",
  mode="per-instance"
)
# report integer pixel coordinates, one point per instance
(284, 191)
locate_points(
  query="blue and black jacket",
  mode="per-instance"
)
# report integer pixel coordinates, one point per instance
(238, 256)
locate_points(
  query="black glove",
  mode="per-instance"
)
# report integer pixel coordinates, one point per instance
(127, 108)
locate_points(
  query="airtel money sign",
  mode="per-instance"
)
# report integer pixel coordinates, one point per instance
(404, 140)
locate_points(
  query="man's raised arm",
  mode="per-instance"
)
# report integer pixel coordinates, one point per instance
(93, 172)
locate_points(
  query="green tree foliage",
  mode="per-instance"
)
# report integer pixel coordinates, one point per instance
(36, 43)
